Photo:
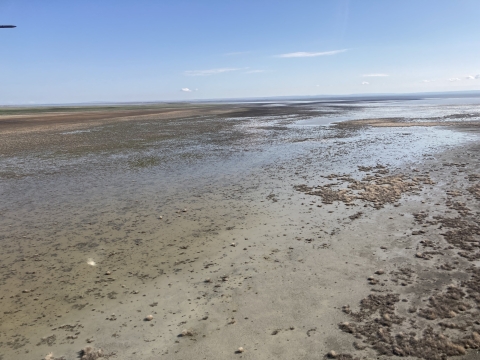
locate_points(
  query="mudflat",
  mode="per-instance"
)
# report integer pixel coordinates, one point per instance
(286, 230)
(55, 118)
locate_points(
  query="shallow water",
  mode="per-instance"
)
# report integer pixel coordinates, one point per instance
(55, 175)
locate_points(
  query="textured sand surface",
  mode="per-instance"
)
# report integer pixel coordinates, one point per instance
(235, 228)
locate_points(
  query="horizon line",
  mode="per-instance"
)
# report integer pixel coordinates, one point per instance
(140, 102)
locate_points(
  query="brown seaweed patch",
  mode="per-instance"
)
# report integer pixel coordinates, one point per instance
(462, 234)
(17, 342)
(430, 345)
(385, 304)
(378, 325)
(403, 276)
(473, 285)
(475, 190)
(446, 305)
(90, 353)
(49, 340)
(356, 215)
(473, 177)
(333, 355)
(462, 208)
(374, 189)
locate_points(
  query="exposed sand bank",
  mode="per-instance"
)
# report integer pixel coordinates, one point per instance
(249, 232)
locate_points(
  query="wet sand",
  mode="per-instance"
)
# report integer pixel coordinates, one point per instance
(236, 227)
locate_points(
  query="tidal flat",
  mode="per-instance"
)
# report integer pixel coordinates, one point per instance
(252, 230)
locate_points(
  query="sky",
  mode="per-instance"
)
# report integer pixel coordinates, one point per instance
(125, 50)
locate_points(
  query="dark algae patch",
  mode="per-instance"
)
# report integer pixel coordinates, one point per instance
(375, 189)
(438, 316)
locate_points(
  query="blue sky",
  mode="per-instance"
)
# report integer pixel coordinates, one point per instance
(119, 50)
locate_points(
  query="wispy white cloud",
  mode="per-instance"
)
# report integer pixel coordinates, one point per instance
(468, 77)
(254, 71)
(186, 90)
(375, 75)
(471, 77)
(208, 72)
(365, 83)
(302, 54)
